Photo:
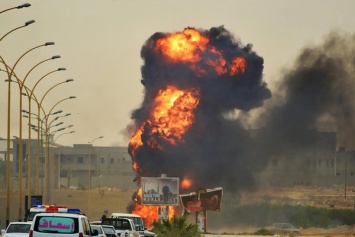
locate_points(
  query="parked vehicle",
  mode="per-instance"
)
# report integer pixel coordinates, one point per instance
(124, 227)
(16, 229)
(95, 222)
(44, 208)
(109, 231)
(284, 228)
(138, 222)
(99, 229)
(54, 223)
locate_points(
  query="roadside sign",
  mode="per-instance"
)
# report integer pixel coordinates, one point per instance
(160, 191)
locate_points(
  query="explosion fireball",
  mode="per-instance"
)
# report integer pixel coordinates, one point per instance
(191, 78)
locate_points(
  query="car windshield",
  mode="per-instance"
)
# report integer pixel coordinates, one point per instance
(109, 230)
(18, 228)
(287, 226)
(118, 224)
(96, 227)
(31, 215)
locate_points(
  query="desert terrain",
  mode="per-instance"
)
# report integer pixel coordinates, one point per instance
(115, 200)
(96, 202)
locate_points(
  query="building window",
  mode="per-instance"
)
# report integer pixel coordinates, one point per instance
(112, 160)
(80, 160)
(102, 160)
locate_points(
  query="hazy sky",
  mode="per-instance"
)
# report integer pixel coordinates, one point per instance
(99, 42)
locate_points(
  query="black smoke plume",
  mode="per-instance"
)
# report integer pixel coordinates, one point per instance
(216, 151)
(317, 94)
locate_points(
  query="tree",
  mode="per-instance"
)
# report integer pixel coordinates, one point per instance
(177, 227)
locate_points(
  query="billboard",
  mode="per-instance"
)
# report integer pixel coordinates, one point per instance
(160, 191)
(209, 199)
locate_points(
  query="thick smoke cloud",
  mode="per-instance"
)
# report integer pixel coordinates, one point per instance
(317, 94)
(215, 151)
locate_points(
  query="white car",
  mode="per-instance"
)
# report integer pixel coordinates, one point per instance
(16, 229)
(138, 222)
(100, 230)
(124, 227)
(109, 231)
(61, 225)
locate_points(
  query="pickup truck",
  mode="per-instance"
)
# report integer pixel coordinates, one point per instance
(124, 227)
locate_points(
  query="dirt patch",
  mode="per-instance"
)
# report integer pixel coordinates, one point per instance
(343, 230)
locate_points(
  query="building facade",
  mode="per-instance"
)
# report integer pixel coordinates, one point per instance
(84, 166)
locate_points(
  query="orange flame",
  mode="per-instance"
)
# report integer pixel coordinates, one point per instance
(188, 47)
(170, 119)
(238, 66)
(183, 46)
(149, 214)
(186, 183)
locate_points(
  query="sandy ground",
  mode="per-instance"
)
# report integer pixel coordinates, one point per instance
(338, 231)
(95, 202)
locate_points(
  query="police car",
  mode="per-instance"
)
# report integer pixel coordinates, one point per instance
(61, 222)
(41, 209)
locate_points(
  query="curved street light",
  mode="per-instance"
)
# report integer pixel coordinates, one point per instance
(30, 95)
(95, 139)
(46, 154)
(21, 84)
(100, 137)
(27, 23)
(63, 134)
(11, 72)
(18, 7)
(51, 137)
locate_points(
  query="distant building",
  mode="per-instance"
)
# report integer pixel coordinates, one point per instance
(318, 164)
(84, 166)
(88, 167)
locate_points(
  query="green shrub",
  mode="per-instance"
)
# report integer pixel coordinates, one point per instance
(177, 227)
(264, 215)
(263, 231)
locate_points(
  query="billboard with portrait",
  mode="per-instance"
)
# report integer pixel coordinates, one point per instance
(209, 199)
(160, 191)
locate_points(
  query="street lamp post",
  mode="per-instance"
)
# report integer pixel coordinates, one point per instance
(10, 72)
(30, 95)
(46, 155)
(90, 156)
(28, 92)
(59, 156)
(21, 86)
(63, 134)
(40, 131)
(90, 161)
(18, 7)
(27, 23)
(8, 168)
